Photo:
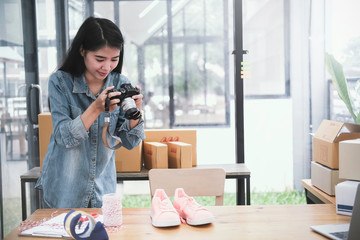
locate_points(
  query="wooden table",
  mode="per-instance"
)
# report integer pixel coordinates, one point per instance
(231, 222)
(315, 195)
(237, 171)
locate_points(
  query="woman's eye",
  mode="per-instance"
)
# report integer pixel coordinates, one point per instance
(99, 60)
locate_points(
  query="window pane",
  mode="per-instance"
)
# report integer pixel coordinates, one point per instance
(196, 70)
(76, 16)
(47, 47)
(267, 113)
(200, 71)
(344, 34)
(156, 105)
(13, 142)
(264, 38)
(345, 46)
(104, 9)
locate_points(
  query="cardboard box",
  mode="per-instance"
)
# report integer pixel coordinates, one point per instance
(174, 135)
(349, 159)
(179, 155)
(125, 160)
(129, 160)
(345, 197)
(324, 178)
(155, 155)
(327, 138)
(45, 130)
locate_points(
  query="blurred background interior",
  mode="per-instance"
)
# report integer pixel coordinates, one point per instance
(182, 54)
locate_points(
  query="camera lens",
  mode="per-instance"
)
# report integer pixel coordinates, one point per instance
(129, 107)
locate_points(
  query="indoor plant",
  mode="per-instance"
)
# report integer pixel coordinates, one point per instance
(338, 78)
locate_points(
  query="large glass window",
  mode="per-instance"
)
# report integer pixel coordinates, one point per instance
(189, 88)
(47, 53)
(342, 28)
(264, 38)
(268, 113)
(184, 66)
(13, 141)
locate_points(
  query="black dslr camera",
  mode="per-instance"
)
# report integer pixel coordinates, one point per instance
(126, 102)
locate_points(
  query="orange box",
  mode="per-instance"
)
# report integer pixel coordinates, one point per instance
(155, 155)
(45, 129)
(327, 138)
(125, 160)
(174, 135)
(129, 160)
(179, 154)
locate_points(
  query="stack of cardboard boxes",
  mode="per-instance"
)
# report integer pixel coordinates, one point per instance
(336, 158)
(325, 164)
(163, 148)
(179, 145)
(349, 169)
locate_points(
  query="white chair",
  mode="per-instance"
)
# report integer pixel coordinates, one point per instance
(194, 181)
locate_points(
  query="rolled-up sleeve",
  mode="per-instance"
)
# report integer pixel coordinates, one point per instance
(131, 137)
(72, 133)
(69, 130)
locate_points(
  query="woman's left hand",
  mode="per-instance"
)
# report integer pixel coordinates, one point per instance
(138, 99)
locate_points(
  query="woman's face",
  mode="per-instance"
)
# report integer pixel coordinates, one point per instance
(100, 63)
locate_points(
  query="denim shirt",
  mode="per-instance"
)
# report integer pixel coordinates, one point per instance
(78, 168)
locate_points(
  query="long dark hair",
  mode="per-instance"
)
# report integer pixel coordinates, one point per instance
(93, 34)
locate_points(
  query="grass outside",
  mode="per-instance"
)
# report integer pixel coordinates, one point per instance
(268, 198)
(11, 214)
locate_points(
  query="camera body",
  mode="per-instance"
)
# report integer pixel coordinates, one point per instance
(126, 101)
(127, 91)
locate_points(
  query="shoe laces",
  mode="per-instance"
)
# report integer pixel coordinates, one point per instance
(182, 219)
(192, 204)
(165, 206)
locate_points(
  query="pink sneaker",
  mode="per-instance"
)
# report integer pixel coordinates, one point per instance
(189, 209)
(163, 213)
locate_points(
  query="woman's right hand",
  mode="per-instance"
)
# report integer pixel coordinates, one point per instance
(100, 100)
(98, 106)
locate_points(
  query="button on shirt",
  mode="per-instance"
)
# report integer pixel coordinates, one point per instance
(78, 168)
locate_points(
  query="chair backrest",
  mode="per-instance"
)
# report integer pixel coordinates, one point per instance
(194, 181)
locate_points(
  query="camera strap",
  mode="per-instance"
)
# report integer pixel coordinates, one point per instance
(106, 130)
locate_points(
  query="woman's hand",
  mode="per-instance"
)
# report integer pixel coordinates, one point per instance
(101, 99)
(98, 106)
(138, 99)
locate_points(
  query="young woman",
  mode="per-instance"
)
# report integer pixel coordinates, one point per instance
(78, 168)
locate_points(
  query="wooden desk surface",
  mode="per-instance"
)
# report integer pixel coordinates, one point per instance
(231, 222)
(326, 198)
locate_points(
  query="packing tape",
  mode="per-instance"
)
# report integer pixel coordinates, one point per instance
(93, 231)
